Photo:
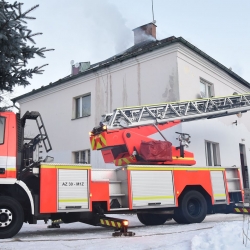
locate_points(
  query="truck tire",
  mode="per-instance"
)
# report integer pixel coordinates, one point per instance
(149, 219)
(178, 217)
(192, 209)
(11, 217)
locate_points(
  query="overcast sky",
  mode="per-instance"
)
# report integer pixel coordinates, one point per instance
(93, 30)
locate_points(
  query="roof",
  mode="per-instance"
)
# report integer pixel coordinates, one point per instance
(134, 51)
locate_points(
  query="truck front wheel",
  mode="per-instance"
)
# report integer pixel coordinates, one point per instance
(192, 208)
(11, 217)
(149, 219)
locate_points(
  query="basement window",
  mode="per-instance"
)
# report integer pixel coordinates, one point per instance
(2, 129)
(206, 89)
(82, 106)
(212, 153)
(82, 157)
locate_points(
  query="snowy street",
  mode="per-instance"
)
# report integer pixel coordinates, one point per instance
(215, 232)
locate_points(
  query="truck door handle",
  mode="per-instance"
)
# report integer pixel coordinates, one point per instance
(2, 170)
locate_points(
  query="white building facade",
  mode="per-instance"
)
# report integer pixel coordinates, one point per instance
(150, 72)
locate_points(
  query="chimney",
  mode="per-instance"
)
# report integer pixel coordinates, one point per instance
(145, 32)
(79, 67)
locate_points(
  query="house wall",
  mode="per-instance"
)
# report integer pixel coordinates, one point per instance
(191, 68)
(150, 78)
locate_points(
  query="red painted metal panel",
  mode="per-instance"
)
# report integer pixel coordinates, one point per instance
(226, 185)
(89, 188)
(130, 204)
(115, 137)
(48, 190)
(107, 156)
(183, 178)
(10, 174)
(99, 191)
(4, 146)
(133, 140)
(9, 146)
(241, 187)
(12, 146)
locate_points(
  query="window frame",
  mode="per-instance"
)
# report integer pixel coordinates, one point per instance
(87, 156)
(78, 106)
(2, 135)
(207, 86)
(214, 148)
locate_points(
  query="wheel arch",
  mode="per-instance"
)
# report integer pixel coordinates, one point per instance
(200, 189)
(19, 191)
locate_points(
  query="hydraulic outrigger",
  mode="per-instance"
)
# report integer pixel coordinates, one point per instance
(120, 226)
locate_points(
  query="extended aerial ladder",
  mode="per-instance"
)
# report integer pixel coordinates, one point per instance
(121, 136)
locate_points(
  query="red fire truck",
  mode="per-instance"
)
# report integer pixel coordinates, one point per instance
(153, 179)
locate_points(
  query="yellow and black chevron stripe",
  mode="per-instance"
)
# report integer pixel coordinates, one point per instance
(242, 210)
(111, 223)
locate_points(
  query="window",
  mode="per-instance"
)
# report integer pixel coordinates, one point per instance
(212, 153)
(2, 127)
(82, 157)
(83, 106)
(206, 89)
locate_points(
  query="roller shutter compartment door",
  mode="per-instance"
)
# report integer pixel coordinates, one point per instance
(218, 186)
(151, 188)
(72, 189)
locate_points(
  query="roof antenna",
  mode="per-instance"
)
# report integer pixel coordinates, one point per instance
(154, 21)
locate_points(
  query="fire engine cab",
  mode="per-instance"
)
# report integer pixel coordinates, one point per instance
(153, 179)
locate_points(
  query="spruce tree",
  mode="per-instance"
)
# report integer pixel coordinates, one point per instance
(17, 46)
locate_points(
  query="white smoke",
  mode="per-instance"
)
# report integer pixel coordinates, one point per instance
(146, 37)
(107, 25)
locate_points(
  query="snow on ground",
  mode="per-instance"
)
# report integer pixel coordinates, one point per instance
(227, 235)
(222, 232)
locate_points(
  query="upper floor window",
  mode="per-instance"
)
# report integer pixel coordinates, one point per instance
(206, 89)
(83, 106)
(212, 153)
(2, 128)
(82, 156)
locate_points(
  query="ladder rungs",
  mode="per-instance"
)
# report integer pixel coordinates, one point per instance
(182, 110)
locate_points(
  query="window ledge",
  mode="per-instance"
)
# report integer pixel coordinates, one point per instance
(80, 117)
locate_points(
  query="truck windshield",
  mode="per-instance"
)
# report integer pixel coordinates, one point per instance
(2, 126)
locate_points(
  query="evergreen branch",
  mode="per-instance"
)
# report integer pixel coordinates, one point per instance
(28, 11)
(35, 34)
(22, 21)
(14, 50)
(19, 8)
(30, 39)
(29, 17)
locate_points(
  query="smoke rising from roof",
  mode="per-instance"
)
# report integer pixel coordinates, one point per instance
(107, 25)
